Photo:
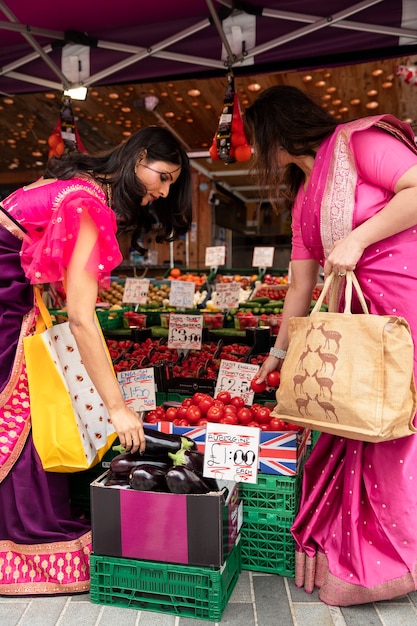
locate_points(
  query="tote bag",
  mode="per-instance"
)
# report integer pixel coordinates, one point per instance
(349, 374)
(71, 427)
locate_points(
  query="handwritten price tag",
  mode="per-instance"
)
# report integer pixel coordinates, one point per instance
(236, 378)
(136, 290)
(263, 257)
(181, 294)
(138, 388)
(227, 295)
(185, 331)
(215, 255)
(231, 452)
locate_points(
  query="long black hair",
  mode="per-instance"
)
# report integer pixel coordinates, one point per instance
(169, 217)
(285, 117)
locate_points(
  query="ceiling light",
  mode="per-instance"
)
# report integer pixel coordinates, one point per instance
(194, 93)
(254, 87)
(76, 93)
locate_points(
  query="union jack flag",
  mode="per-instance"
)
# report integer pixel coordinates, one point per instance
(281, 452)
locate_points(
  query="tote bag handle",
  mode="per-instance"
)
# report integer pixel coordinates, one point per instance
(332, 282)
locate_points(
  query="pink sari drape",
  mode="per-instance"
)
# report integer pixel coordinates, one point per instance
(355, 530)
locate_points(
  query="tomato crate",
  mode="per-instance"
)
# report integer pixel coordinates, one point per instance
(267, 546)
(274, 495)
(184, 590)
(111, 319)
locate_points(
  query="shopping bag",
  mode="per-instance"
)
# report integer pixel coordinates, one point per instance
(71, 427)
(349, 374)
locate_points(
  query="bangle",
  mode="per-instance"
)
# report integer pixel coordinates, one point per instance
(277, 353)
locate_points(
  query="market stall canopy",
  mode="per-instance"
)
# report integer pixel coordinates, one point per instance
(136, 41)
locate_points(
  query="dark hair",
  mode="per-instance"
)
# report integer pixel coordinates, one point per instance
(283, 116)
(171, 216)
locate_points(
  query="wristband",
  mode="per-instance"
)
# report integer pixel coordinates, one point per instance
(277, 353)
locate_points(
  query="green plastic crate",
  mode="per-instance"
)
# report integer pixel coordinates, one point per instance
(196, 592)
(279, 495)
(267, 546)
(111, 319)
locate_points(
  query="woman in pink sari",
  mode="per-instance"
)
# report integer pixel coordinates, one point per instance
(65, 225)
(353, 190)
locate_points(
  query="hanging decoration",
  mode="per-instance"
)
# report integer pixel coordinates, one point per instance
(230, 143)
(65, 136)
(408, 73)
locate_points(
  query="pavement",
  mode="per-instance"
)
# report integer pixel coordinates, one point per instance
(259, 599)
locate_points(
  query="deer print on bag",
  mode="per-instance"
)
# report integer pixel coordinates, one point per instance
(324, 383)
(327, 407)
(330, 335)
(326, 357)
(300, 363)
(299, 380)
(302, 403)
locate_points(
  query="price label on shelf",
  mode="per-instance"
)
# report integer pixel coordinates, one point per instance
(235, 378)
(136, 290)
(181, 294)
(138, 388)
(185, 331)
(215, 255)
(227, 295)
(263, 257)
(231, 452)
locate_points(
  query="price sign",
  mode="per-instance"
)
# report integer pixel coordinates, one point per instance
(231, 452)
(138, 388)
(236, 378)
(136, 290)
(181, 294)
(185, 331)
(263, 257)
(227, 295)
(215, 255)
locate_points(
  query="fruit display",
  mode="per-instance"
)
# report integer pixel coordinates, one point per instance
(114, 294)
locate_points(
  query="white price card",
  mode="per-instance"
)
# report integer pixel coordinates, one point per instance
(185, 331)
(231, 452)
(181, 294)
(215, 255)
(227, 295)
(263, 257)
(235, 378)
(138, 388)
(136, 290)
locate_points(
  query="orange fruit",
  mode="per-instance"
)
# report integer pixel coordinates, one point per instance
(175, 272)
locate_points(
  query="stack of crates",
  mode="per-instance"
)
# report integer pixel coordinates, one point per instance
(269, 509)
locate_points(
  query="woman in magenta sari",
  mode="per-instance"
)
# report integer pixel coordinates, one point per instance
(65, 225)
(353, 191)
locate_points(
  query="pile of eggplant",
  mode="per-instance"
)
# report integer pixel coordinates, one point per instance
(171, 463)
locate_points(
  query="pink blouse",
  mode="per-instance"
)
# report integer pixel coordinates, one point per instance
(51, 214)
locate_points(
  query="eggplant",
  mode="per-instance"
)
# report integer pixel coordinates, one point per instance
(183, 480)
(192, 459)
(147, 478)
(113, 480)
(123, 464)
(158, 443)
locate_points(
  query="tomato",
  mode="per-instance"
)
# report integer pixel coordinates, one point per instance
(229, 409)
(237, 401)
(171, 414)
(193, 414)
(289, 426)
(215, 413)
(205, 403)
(224, 396)
(152, 417)
(197, 397)
(229, 419)
(244, 416)
(276, 424)
(182, 422)
(160, 412)
(273, 378)
(257, 387)
(187, 402)
(182, 412)
(263, 415)
(202, 422)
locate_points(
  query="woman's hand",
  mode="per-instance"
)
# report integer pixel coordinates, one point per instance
(343, 256)
(129, 428)
(270, 364)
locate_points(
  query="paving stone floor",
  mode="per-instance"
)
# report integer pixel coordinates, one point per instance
(257, 600)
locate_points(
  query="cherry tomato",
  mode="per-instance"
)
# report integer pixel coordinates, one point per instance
(237, 401)
(257, 387)
(224, 396)
(273, 378)
(244, 415)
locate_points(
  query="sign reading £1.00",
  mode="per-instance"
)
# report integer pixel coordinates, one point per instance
(231, 452)
(185, 332)
(136, 290)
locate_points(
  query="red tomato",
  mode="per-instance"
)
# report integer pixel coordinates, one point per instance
(237, 401)
(187, 402)
(263, 415)
(197, 397)
(229, 409)
(273, 378)
(205, 403)
(160, 412)
(224, 396)
(215, 413)
(257, 387)
(202, 422)
(182, 422)
(229, 419)
(244, 416)
(276, 424)
(151, 417)
(171, 414)
(193, 414)
(182, 412)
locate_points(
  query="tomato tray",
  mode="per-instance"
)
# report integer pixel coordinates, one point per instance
(183, 590)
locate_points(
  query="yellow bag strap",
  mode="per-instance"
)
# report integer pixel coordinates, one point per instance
(44, 319)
